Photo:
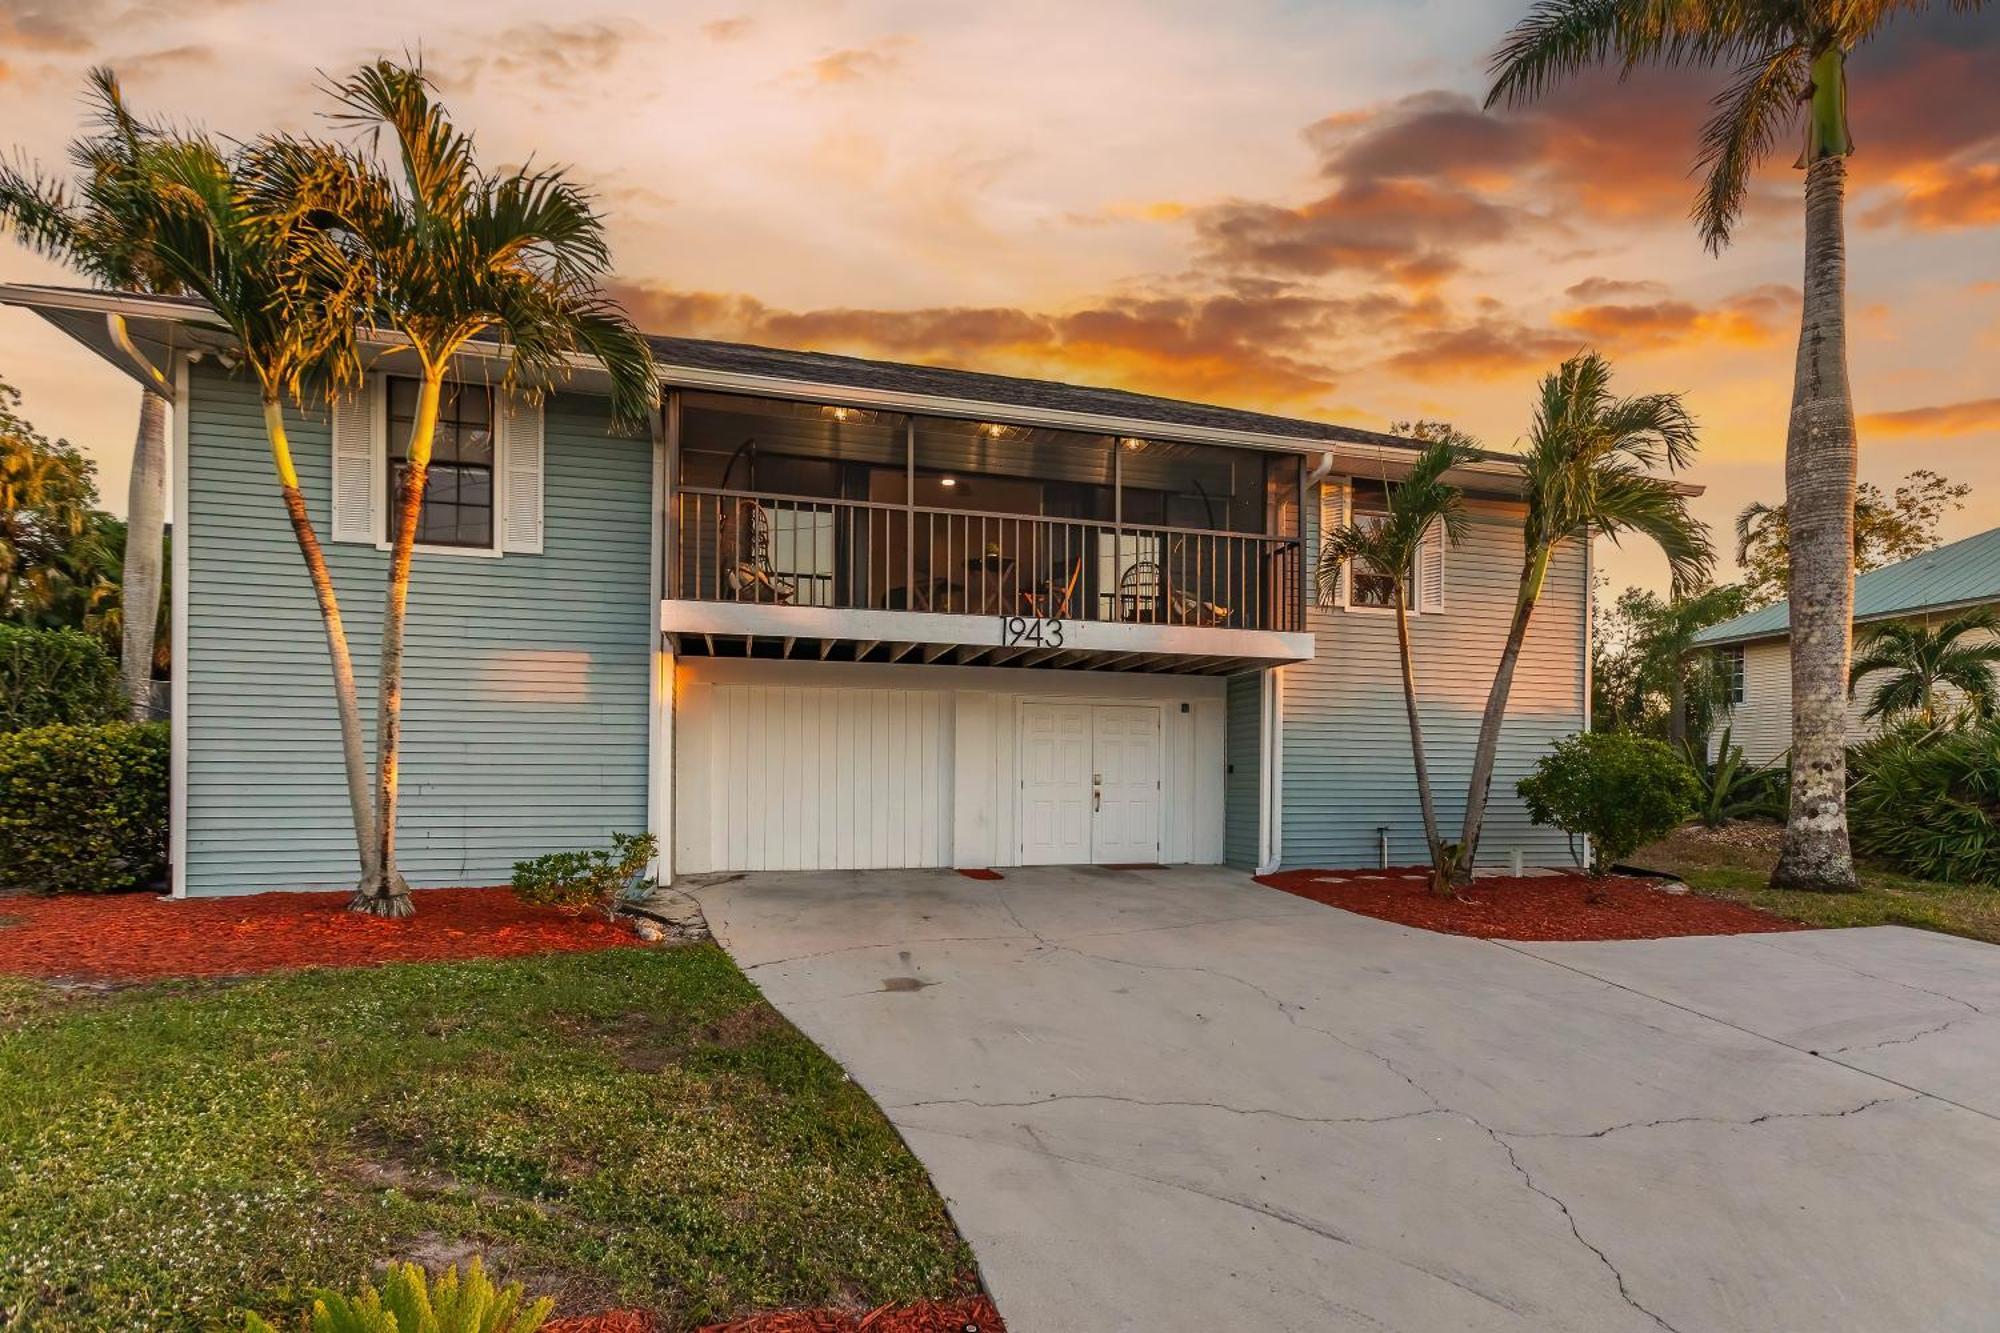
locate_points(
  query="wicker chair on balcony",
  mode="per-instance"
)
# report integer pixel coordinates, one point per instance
(752, 578)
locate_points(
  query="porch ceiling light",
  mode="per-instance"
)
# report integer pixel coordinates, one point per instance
(947, 481)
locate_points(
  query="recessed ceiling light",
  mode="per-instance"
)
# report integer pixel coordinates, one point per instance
(947, 481)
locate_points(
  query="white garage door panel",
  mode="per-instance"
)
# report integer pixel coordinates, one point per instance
(815, 778)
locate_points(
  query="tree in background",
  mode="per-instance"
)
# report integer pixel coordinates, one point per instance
(1648, 676)
(1588, 469)
(1934, 676)
(1887, 528)
(91, 226)
(50, 534)
(1789, 63)
(1421, 503)
(453, 257)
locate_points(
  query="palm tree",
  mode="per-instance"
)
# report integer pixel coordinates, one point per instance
(1922, 662)
(1420, 504)
(458, 257)
(230, 230)
(92, 227)
(1588, 474)
(1789, 59)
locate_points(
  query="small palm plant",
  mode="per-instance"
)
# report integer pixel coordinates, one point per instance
(410, 1303)
(1422, 503)
(1589, 473)
(456, 258)
(98, 226)
(1938, 676)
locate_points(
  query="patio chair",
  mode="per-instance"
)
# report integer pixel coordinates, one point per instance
(1138, 595)
(754, 579)
(1047, 603)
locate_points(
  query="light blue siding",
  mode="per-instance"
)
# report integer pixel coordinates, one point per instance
(525, 696)
(1347, 765)
(1243, 784)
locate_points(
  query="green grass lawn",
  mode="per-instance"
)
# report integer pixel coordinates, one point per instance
(1740, 873)
(629, 1128)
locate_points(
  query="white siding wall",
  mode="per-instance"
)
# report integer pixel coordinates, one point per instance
(802, 765)
(1762, 723)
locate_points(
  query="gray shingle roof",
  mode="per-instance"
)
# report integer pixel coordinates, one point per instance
(853, 372)
(1966, 572)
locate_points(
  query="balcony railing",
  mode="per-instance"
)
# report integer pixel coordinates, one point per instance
(795, 550)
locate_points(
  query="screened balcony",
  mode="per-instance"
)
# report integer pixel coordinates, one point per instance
(789, 504)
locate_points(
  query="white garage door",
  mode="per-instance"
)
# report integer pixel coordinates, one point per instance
(808, 777)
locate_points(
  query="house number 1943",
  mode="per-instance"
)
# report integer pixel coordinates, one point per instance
(1023, 629)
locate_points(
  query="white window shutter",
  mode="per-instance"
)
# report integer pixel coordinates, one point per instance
(521, 465)
(1333, 515)
(1430, 570)
(357, 472)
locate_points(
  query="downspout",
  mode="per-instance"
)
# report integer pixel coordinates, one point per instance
(1271, 793)
(156, 379)
(1321, 470)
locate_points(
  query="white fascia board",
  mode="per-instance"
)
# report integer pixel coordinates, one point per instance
(867, 626)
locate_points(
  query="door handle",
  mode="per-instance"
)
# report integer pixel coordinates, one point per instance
(1096, 800)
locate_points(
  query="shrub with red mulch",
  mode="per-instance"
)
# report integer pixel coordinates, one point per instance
(976, 1315)
(1533, 907)
(134, 937)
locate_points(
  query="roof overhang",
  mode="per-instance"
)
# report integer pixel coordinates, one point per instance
(1874, 618)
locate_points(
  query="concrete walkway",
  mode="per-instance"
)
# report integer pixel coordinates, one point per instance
(1172, 1100)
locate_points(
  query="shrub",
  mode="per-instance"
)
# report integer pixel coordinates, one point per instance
(1620, 790)
(1927, 802)
(52, 677)
(1730, 787)
(578, 880)
(409, 1303)
(83, 809)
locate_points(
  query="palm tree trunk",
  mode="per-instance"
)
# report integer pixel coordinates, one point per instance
(1486, 753)
(389, 894)
(345, 699)
(145, 526)
(1440, 868)
(1820, 462)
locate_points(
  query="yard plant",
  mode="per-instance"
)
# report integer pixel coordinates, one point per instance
(627, 1128)
(1931, 675)
(1927, 801)
(1619, 790)
(1789, 71)
(409, 1302)
(593, 877)
(83, 809)
(50, 677)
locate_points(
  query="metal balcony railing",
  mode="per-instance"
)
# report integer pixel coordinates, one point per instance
(857, 554)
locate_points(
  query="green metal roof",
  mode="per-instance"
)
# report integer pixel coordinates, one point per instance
(1964, 573)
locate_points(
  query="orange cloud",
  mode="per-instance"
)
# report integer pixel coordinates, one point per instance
(859, 62)
(1245, 347)
(1747, 318)
(1968, 418)
(1489, 348)
(1940, 197)
(728, 30)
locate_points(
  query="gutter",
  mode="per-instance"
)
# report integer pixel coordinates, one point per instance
(114, 323)
(1873, 618)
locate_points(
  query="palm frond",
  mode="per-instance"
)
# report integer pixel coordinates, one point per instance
(1557, 40)
(1747, 118)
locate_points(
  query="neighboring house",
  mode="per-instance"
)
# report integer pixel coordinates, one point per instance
(1929, 589)
(833, 613)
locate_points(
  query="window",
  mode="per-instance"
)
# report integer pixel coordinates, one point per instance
(1730, 660)
(1371, 585)
(458, 499)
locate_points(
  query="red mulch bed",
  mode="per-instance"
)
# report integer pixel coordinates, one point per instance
(976, 1315)
(135, 937)
(1533, 907)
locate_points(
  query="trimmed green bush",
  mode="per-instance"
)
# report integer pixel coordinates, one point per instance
(1620, 790)
(83, 809)
(53, 677)
(1927, 802)
(578, 880)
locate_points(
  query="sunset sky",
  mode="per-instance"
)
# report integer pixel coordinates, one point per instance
(1279, 204)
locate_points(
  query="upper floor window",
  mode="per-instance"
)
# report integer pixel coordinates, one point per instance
(1730, 660)
(1372, 585)
(458, 499)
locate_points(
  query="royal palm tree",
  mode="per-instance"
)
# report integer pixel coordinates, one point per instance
(1588, 471)
(1789, 62)
(92, 226)
(460, 260)
(1421, 504)
(1923, 663)
(232, 230)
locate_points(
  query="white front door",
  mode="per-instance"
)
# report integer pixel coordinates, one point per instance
(1125, 754)
(1090, 784)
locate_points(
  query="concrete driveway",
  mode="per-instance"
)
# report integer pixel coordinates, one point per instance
(1178, 1100)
